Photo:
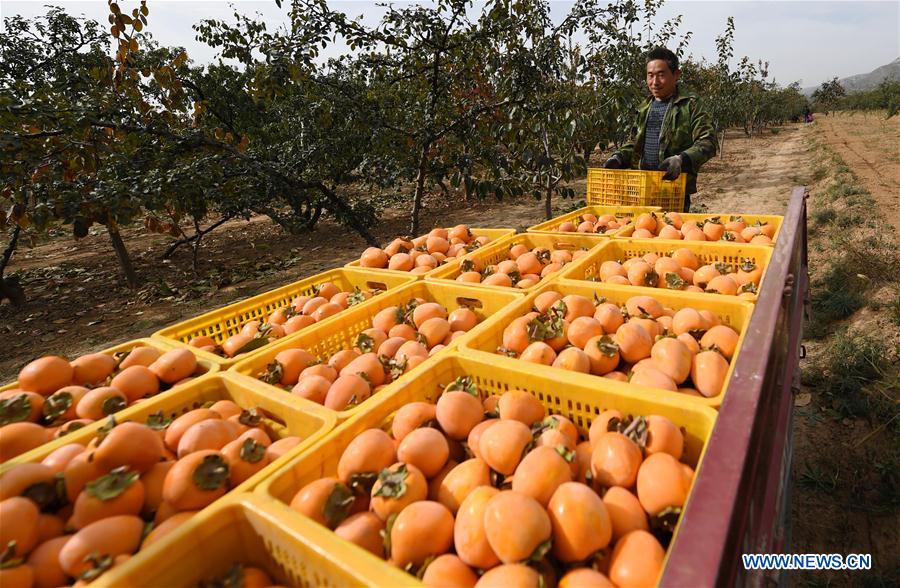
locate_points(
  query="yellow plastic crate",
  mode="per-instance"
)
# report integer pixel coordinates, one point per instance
(227, 321)
(493, 254)
(241, 529)
(204, 366)
(552, 225)
(574, 398)
(748, 218)
(588, 268)
(284, 414)
(496, 235)
(632, 187)
(733, 312)
(326, 340)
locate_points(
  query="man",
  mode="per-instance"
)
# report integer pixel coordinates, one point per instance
(672, 132)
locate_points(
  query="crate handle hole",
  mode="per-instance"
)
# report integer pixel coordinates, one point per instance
(376, 286)
(469, 302)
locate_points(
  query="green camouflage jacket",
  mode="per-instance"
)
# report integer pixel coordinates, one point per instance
(686, 129)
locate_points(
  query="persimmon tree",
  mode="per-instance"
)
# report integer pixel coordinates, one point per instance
(432, 71)
(60, 123)
(828, 95)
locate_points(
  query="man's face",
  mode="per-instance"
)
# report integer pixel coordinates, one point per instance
(660, 79)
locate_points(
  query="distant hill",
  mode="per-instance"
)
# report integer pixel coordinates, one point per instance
(867, 81)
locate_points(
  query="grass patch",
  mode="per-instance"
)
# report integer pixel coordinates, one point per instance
(847, 220)
(843, 189)
(822, 477)
(893, 308)
(824, 215)
(874, 256)
(819, 173)
(847, 372)
(835, 296)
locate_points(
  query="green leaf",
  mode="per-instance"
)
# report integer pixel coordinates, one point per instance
(274, 372)
(607, 346)
(99, 563)
(337, 507)
(15, 409)
(507, 352)
(259, 341)
(392, 483)
(361, 483)
(540, 329)
(250, 417)
(113, 484)
(356, 298)
(8, 557)
(566, 453)
(158, 421)
(70, 427)
(252, 451)
(386, 534)
(722, 268)
(212, 473)
(113, 404)
(674, 281)
(463, 384)
(541, 551)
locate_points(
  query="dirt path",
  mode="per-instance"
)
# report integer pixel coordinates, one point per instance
(756, 175)
(870, 145)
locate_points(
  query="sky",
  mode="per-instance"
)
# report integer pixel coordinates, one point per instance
(809, 41)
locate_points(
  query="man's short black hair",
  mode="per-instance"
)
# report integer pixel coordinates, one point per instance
(662, 53)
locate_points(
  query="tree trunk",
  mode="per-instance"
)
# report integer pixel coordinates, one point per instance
(122, 255)
(722, 146)
(9, 287)
(420, 190)
(195, 247)
(548, 205)
(317, 212)
(10, 249)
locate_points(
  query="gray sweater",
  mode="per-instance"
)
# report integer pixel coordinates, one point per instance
(655, 117)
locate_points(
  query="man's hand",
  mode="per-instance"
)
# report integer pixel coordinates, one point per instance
(672, 167)
(613, 162)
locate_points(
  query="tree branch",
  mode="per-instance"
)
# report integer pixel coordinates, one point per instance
(198, 234)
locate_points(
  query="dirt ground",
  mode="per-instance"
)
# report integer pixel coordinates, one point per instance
(77, 303)
(841, 501)
(870, 145)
